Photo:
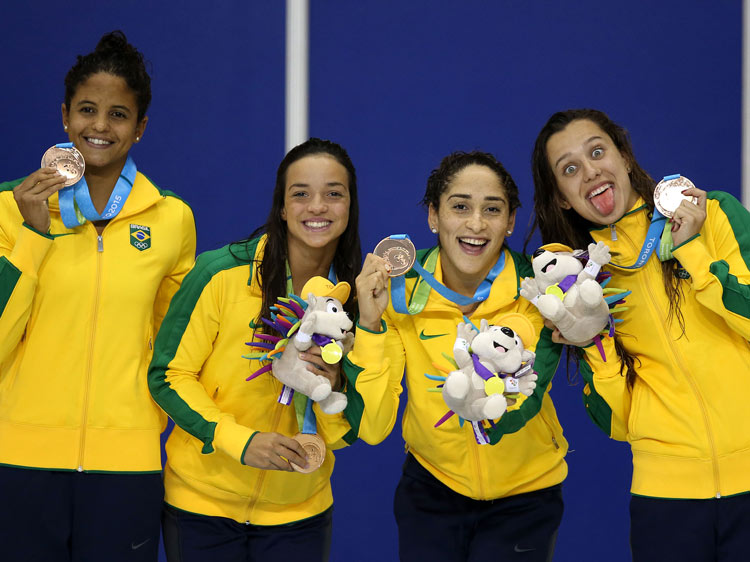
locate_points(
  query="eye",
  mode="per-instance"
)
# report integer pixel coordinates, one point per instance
(538, 253)
(298, 194)
(87, 109)
(494, 210)
(519, 343)
(335, 194)
(331, 307)
(569, 170)
(508, 332)
(460, 207)
(118, 115)
(598, 152)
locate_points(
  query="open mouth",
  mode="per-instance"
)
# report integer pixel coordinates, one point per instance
(498, 346)
(473, 245)
(97, 142)
(316, 224)
(603, 198)
(549, 266)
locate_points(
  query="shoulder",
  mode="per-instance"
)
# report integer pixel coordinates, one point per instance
(170, 197)
(728, 204)
(522, 263)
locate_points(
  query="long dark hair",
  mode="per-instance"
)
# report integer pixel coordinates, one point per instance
(113, 55)
(566, 226)
(271, 272)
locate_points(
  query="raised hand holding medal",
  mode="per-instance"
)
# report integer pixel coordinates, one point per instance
(677, 198)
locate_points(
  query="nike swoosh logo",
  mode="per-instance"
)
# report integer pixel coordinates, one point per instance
(423, 336)
(139, 545)
(519, 549)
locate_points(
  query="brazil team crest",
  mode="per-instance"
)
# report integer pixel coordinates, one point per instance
(140, 237)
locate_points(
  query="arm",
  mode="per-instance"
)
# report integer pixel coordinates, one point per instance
(21, 256)
(184, 262)
(718, 260)
(185, 341)
(374, 370)
(606, 395)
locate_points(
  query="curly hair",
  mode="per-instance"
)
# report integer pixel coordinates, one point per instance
(112, 55)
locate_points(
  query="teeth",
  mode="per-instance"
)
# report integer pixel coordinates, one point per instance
(97, 141)
(599, 190)
(317, 224)
(473, 241)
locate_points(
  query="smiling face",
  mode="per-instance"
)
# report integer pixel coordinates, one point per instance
(316, 202)
(472, 221)
(102, 121)
(591, 173)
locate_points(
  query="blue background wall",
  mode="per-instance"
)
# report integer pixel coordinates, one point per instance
(400, 84)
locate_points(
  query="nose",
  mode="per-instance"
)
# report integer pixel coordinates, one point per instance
(100, 122)
(476, 222)
(317, 204)
(590, 170)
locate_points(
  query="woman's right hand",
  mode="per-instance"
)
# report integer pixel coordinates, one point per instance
(372, 292)
(273, 451)
(32, 193)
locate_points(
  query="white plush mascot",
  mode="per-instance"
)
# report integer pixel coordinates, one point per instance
(323, 322)
(494, 367)
(566, 292)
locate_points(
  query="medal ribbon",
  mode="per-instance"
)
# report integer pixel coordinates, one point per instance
(398, 286)
(302, 404)
(76, 206)
(649, 244)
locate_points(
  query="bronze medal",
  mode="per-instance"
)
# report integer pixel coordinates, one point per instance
(315, 448)
(668, 195)
(400, 254)
(68, 161)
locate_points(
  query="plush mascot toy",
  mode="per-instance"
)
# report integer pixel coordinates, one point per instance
(493, 368)
(319, 320)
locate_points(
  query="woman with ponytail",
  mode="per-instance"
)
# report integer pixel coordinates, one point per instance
(86, 274)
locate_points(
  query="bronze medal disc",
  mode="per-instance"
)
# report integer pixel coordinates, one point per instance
(68, 161)
(315, 448)
(400, 254)
(668, 195)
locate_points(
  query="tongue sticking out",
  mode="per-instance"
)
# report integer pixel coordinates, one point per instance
(605, 201)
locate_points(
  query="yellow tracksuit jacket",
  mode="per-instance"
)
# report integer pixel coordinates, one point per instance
(198, 377)
(686, 417)
(78, 316)
(528, 446)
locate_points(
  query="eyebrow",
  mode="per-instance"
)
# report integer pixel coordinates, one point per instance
(564, 156)
(329, 184)
(125, 107)
(468, 196)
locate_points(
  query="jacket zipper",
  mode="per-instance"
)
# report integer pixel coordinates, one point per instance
(89, 366)
(256, 493)
(683, 369)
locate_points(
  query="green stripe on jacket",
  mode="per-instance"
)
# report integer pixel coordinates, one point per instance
(736, 296)
(170, 335)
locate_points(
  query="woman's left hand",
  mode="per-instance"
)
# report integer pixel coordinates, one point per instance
(317, 366)
(688, 218)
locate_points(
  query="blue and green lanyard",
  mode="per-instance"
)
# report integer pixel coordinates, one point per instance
(76, 206)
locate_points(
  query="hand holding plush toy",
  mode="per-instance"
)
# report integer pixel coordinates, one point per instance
(322, 321)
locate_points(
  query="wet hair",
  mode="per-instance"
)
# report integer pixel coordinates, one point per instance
(112, 55)
(271, 272)
(441, 177)
(566, 226)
